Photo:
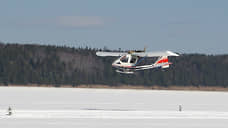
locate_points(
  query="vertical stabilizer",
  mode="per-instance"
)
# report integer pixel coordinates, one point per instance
(163, 62)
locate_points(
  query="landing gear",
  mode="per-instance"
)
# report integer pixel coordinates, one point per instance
(125, 71)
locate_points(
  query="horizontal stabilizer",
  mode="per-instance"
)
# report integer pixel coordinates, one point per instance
(165, 66)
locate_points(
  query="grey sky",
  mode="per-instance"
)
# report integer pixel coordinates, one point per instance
(187, 26)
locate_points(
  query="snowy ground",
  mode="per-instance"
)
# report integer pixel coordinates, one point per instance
(87, 108)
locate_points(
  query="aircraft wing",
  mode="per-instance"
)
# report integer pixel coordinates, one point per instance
(110, 53)
(155, 54)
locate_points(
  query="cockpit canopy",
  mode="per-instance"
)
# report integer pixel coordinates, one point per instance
(129, 59)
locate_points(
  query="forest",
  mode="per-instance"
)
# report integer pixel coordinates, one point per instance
(26, 64)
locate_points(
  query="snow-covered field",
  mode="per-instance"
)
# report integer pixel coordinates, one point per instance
(88, 108)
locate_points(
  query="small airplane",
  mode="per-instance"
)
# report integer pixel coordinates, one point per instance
(128, 62)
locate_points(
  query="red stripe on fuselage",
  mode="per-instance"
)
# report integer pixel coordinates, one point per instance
(163, 61)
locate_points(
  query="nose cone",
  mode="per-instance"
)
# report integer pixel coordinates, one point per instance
(113, 64)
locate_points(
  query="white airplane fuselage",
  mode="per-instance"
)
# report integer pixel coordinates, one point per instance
(126, 61)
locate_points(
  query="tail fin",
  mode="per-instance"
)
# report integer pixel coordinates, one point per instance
(162, 62)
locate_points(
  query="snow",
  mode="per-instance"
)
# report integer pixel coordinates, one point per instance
(74, 107)
(103, 114)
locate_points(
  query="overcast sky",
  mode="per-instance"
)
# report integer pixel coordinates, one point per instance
(186, 26)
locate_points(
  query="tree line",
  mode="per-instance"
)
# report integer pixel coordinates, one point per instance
(61, 65)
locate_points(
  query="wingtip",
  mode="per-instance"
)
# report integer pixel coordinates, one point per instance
(99, 53)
